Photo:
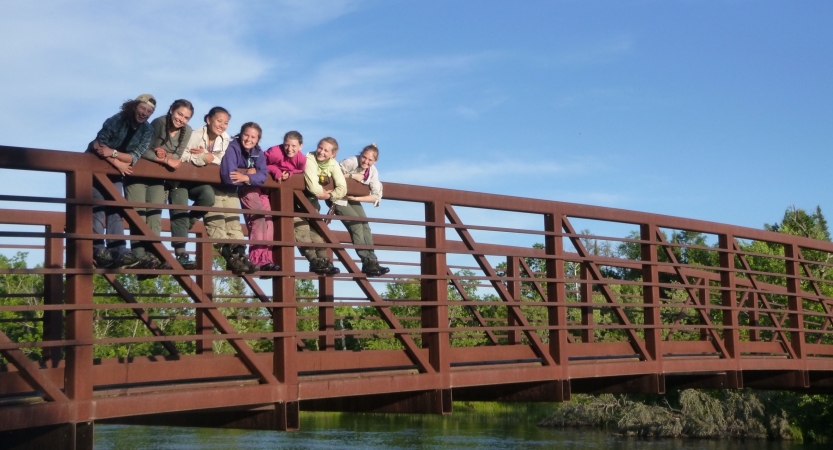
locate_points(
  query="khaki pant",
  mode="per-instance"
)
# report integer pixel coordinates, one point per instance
(220, 225)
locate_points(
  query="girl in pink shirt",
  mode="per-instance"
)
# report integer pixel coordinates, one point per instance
(282, 161)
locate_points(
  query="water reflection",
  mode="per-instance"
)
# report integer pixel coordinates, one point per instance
(402, 431)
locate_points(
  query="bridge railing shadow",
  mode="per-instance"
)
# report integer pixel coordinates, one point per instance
(485, 291)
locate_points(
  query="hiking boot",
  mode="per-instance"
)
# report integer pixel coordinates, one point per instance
(372, 268)
(103, 260)
(185, 261)
(127, 260)
(236, 264)
(331, 269)
(146, 261)
(192, 221)
(250, 266)
(269, 267)
(319, 265)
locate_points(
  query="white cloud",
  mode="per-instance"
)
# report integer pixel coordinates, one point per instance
(65, 57)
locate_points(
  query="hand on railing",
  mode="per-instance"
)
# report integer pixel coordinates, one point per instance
(123, 167)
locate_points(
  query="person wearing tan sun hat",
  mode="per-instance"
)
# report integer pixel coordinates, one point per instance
(122, 140)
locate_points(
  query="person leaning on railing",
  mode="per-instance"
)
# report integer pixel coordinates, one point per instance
(362, 169)
(243, 165)
(321, 167)
(123, 138)
(208, 145)
(282, 161)
(170, 136)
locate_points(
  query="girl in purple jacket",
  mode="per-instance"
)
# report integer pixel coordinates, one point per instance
(244, 165)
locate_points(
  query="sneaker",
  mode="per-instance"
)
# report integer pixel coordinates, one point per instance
(185, 261)
(103, 260)
(236, 265)
(127, 260)
(319, 265)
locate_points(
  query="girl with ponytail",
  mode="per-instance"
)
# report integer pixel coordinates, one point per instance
(362, 168)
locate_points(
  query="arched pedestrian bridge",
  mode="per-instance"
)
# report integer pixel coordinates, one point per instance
(471, 310)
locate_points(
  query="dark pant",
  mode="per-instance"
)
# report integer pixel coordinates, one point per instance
(108, 218)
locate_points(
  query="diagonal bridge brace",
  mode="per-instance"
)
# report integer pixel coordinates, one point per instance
(140, 312)
(810, 274)
(30, 372)
(411, 349)
(462, 291)
(538, 288)
(500, 287)
(692, 298)
(771, 312)
(637, 344)
(244, 351)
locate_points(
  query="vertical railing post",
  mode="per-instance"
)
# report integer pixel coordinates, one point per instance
(435, 289)
(513, 337)
(705, 299)
(283, 291)
(794, 300)
(650, 292)
(587, 310)
(752, 311)
(728, 294)
(556, 291)
(53, 294)
(326, 314)
(78, 377)
(205, 262)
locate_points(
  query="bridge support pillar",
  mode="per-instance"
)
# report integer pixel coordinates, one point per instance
(66, 436)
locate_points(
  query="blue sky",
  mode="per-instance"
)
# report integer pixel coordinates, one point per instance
(715, 110)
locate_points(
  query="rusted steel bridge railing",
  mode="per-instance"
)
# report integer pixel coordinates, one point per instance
(667, 302)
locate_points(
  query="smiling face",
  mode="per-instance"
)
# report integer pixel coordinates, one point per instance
(291, 147)
(181, 116)
(143, 112)
(249, 138)
(218, 123)
(324, 151)
(367, 160)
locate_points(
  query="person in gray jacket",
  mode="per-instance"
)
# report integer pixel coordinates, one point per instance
(170, 136)
(122, 140)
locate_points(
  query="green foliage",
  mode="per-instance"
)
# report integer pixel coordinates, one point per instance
(23, 326)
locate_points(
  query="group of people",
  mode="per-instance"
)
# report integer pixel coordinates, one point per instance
(127, 138)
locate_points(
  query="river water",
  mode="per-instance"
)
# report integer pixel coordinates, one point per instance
(463, 429)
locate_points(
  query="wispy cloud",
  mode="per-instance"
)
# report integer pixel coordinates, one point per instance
(74, 55)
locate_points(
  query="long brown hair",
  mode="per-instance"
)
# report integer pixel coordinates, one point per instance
(169, 121)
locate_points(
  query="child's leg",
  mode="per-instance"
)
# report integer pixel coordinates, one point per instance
(179, 217)
(215, 222)
(253, 200)
(359, 231)
(302, 234)
(136, 191)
